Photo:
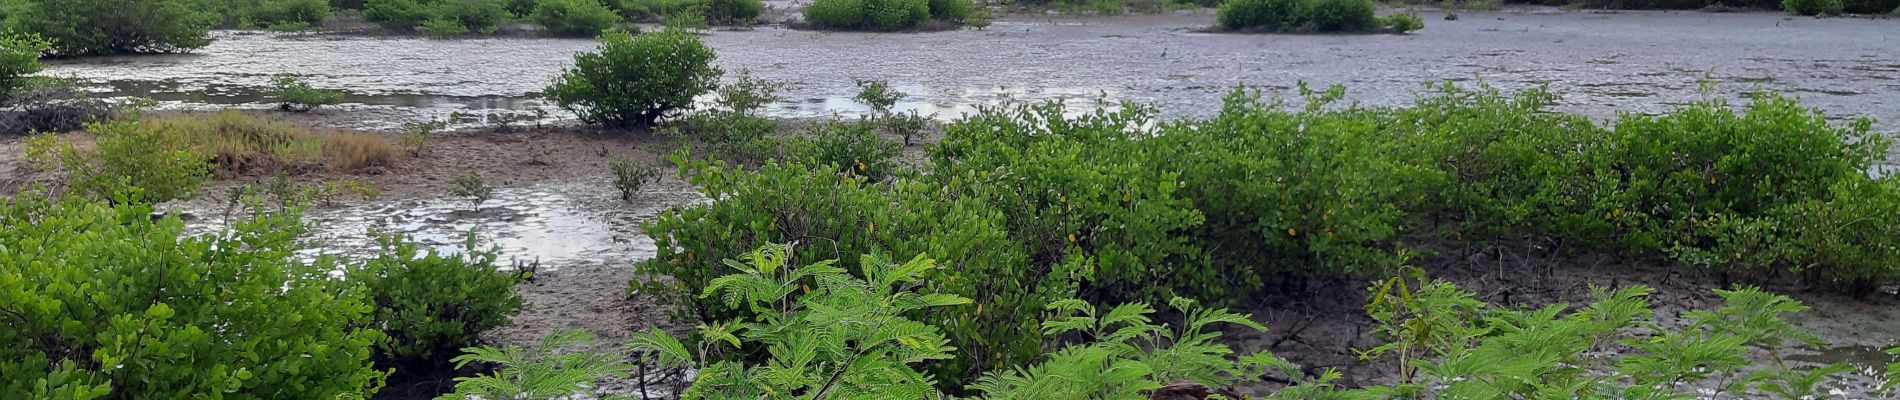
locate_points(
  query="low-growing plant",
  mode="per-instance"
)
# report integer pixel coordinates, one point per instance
(636, 80)
(140, 158)
(107, 302)
(472, 187)
(574, 17)
(430, 305)
(297, 95)
(415, 135)
(478, 16)
(560, 367)
(1403, 23)
(906, 125)
(630, 176)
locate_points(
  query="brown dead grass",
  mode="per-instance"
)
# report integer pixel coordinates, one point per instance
(238, 143)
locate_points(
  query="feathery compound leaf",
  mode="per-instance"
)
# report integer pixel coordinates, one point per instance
(668, 349)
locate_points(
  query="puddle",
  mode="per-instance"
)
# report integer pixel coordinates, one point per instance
(527, 225)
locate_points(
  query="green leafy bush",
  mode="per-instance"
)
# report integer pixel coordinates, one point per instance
(629, 177)
(132, 160)
(1303, 16)
(108, 302)
(86, 27)
(19, 57)
(439, 18)
(838, 213)
(404, 14)
(574, 17)
(1812, 7)
(478, 16)
(431, 305)
(280, 14)
(734, 12)
(635, 80)
(520, 8)
(869, 15)
(1402, 23)
(850, 146)
(1342, 15)
(297, 95)
(1268, 15)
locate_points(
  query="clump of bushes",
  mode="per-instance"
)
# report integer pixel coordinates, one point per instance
(886, 15)
(279, 15)
(430, 305)
(727, 12)
(1813, 7)
(573, 17)
(105, 301)
(440, 18)
(87, 27)
(1308, 16)
(636, 80)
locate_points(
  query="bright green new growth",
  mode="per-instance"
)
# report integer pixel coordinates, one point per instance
(130, 161)
(1126, 355)
(298, 96)
(105, 301)
(841, 337)
(636, 80)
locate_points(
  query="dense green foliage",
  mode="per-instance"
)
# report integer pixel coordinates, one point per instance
(86, 27)
(439, 17)
(130, 160)
(19, 56)
(635, 80)
(430, 305)
(294, 94)
(108, 302)
(845, 336)
(1026, 204)
(725, 12)
(574, 17)
(1307, 16)
(280, 15)
(1812, 7)
(885, 15)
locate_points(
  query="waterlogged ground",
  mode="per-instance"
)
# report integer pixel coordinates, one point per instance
(556, 205)
(1600, 62)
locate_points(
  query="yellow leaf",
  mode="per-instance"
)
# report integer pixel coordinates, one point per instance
(1292, 232)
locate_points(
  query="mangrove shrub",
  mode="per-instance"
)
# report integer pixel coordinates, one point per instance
(108, 302)
(86, 27)
(635, 80)
(574, 17)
